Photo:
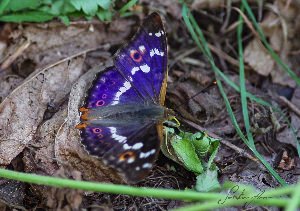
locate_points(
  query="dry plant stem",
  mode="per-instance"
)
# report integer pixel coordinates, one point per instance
(10, 59)
(225, 56)
(247, 22)
(182, 55)
(291, 106)
(223, 141)
(252, 29)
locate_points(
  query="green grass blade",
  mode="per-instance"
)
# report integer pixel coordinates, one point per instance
(295, 199)
(108, 188)
(211, 199)
(212, 205)
(242, 81)
(128, 5)
(193, 28)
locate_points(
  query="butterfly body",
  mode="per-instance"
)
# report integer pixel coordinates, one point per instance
(122, 115)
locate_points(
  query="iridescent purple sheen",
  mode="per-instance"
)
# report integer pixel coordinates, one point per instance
(148, 84)
(124, 134)
(105, 87)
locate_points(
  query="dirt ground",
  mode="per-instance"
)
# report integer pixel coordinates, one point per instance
(45, 67)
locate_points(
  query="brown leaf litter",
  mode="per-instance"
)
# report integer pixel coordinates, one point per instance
(43, 84)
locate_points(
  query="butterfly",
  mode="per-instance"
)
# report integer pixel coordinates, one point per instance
(121, 119)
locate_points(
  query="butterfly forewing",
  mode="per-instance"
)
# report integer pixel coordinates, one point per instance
(143, 61)
(111, 88)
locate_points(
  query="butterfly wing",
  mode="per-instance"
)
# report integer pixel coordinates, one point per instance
(137, 77)
(143, 61)
(130, 149)
(111, 88)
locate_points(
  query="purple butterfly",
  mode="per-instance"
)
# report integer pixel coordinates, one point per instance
(123, 111)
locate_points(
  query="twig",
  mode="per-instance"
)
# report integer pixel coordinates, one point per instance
(225, 56)
(291, 106)
(10, 59)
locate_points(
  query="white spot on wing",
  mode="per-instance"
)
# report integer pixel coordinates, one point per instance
(147, 154)
(137, 146)
(145, 68)
(142, 48)
(147, 165)
(134, 70)
(114, 135)
(126, 86)
(158, 34)
(126, 146)
(137, 168)
(130, 160)
(155, 51)
(150, 34)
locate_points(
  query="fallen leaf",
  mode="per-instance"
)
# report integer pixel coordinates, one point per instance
(9, 83)
(22, 111)
(287, 136)
(257, 58)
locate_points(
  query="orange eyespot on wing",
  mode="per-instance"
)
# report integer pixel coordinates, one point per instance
(126, 155)
(136, 56)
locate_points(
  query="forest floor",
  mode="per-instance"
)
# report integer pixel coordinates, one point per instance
(43, 66)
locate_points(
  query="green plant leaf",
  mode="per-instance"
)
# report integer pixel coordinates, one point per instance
(59, 8)
(104, 15)
(186, 153)
(90, 7)
(17, 5)
(105, 4)
(30, 16)
(3, 5)
(65, 20)
(202, 143)
(208, 180)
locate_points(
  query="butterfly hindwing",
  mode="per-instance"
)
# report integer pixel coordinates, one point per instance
(143, 61)
(130, 149)
(97, 139)
(134, 158)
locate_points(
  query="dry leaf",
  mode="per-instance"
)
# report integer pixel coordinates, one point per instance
(54, 41)
(287, 136)
(201, 4)
(281, 27)
(23, 110)
(8, 83)
(257, 57)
